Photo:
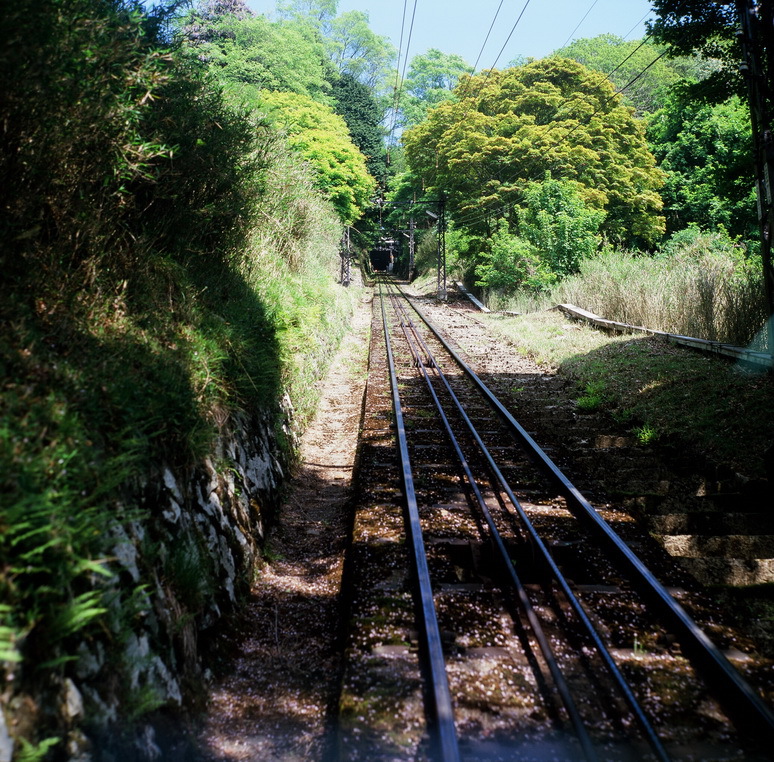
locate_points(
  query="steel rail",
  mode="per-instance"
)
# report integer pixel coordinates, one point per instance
(742, 704)
(441, 710)
(537, 629)
(620, 681)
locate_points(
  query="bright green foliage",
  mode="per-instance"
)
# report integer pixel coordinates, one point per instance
(559, 225)
(322, 138)
(625, 60)
(430, 80)
(321, 12)
(350, 44)
(556, 232)
(353, 48)
(511, 262)
(286, 56)
(706, 153)
(513, 125)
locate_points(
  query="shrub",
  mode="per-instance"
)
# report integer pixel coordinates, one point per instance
(510, 262)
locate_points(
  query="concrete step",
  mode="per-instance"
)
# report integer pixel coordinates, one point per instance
(735, 572)
(712, 523)
(730, 546)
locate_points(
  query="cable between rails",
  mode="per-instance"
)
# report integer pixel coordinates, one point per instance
(618, 678)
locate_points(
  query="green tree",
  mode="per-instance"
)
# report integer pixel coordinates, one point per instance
(624, 61)
(510, 262)
(321, 12)
(554, 232)
(691, 27)
(356, 103)
(351, 46)
(430, 80)
(706, 152)
(512, 125)
(254, 51)
(556, 221)
(321, 137)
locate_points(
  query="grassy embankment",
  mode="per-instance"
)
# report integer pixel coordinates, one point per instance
(166, 266)
(654, 388)
(698, 284)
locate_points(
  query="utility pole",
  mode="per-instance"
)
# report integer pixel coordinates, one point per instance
(442, 249)
(757, 39)
(412, 244)
(346, 258)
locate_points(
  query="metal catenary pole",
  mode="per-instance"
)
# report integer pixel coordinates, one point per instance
(346, 258)
(442, 248)
(757, 39)
(412, 244)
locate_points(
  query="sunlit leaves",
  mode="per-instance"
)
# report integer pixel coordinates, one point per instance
(322, 138)
(511, 126)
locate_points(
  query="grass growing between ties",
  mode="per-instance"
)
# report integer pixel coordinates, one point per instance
(659, 391)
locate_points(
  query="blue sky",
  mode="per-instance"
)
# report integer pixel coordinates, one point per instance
(461, 26)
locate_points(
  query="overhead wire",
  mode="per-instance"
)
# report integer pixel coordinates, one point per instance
(626, 36)
(400, 76)
(491, 68)
(400, 53)
(486, 39)
(481, 52)
(577, 26)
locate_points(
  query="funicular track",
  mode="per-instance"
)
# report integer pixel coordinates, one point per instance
(495, 613)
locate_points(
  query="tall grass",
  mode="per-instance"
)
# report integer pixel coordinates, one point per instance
(699, 285)
(166, 264)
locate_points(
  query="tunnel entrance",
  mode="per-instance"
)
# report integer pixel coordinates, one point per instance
(383, 256)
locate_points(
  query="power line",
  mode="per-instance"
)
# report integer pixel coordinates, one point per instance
(637, 24)
(591, 7)
(400, 52)
(464, 92)
(491, 68)
(510, 34)
(486, 39)
(400, 77)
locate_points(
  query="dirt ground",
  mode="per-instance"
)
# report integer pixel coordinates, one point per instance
(274, 702)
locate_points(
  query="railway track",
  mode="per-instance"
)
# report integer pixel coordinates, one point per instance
(496, 614)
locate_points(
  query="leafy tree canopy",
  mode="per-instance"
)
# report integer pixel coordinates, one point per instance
(706, 153)
(555, 232)
(626, 61)
(690, 27)
(201, 24)
(356, 103)
(430, 80)
(510, 126)
(252, 50)
(351, 46)
(322, 138)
